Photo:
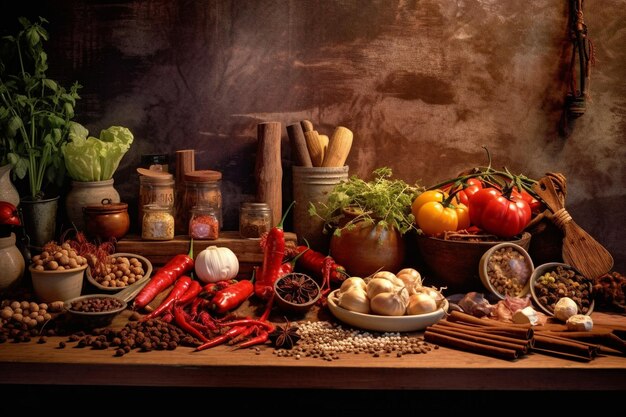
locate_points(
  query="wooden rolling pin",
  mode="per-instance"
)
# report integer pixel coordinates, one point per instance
(315, 146)
(339, 147)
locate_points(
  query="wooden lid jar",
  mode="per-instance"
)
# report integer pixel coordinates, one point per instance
(202, 188)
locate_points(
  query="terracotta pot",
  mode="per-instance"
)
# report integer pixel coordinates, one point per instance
(86, 193)
(107, 220)
(367, 248)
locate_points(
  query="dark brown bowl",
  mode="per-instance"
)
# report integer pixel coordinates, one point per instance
(283, 300)
(455, 263)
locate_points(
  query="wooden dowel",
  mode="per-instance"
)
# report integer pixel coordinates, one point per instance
(469, 346)
(307, 125)
(268, 169)
(298, 144)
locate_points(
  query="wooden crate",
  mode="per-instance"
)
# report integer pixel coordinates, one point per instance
(248, 251)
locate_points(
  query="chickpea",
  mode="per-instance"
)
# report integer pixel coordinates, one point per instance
(64, 260)
(6, 313)
(35, 258)
(33, 314)
(15, 304)
(33, 306)
(52, 265)
(45, 254)
(61, 268)
(18, 310)
(72, 263)
(43, 306)
(25, 305)
(39, 268)
(58, 255)
(18, 317)
(72, 253)
(40, 319)
(47, 316)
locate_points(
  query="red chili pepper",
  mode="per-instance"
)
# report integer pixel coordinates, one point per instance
(313, 262)
(250, 322)
(190, 295)
(232, 332)
(233, 296)
(165, 277)
(181, 286)
(243, 335)
(179, 318)
(273, 255)
(262, 337)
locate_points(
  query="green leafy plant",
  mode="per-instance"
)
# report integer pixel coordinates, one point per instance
(383, 200)
(35, 111)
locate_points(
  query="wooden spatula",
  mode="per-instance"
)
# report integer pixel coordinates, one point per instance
(580, 249)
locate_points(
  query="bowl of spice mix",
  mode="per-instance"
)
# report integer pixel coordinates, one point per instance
(95, 310)
(505, 270)
(554, 280)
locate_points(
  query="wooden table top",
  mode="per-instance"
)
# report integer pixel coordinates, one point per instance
(439, 369)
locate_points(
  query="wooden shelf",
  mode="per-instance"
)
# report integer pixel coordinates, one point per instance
(248, 251)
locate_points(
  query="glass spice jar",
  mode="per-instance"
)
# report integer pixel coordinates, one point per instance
(158, 223)
(203, 223)
(202, 188)
(254, 220)
(157, 189)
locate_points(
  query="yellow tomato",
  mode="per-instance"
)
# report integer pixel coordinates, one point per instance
(425, 197)
(433, 218)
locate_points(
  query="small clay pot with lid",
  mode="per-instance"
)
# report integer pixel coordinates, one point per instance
(107, 220)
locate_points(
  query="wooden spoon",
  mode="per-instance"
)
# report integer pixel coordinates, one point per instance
(580, 249)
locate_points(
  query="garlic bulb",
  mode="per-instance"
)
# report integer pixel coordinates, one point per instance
(352, 282)
(390, 276)
(421, 303)
(388, 304)
(411, 278)
(565, 308)
(376, 286)
(579, 323)
(354, 299)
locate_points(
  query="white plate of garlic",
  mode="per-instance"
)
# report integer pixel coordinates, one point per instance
(388, 302)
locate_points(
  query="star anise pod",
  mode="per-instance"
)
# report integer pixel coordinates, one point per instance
(285, 337)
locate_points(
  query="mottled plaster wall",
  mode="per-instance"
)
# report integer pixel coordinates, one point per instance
(423, 85)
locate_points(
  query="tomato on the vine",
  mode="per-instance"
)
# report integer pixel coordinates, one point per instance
(434, 214)
(468, 189)
(536, 206)
(497, 214)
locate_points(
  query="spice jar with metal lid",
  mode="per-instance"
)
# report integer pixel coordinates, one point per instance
(158, 222)
(155, 188)
(203, 223)
(202, 188)
(106, 220)
(254, 220)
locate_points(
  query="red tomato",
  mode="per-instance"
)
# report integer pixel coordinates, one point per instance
(471, 187)
(536, 206)
(9, 214)
(496, 214)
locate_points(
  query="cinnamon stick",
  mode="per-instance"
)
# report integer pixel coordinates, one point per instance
(468, 318)
(523, 334)
(466, 345)
(519, 347)
(600, 337)
(559, 344)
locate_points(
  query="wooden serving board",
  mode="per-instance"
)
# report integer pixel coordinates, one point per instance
(248, 251)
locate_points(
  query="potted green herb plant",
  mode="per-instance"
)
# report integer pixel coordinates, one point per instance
(35, 115)
(368, 220)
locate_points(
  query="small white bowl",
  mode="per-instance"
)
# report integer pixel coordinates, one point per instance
(516, 271)
(379, 323)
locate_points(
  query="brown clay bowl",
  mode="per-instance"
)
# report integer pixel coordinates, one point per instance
(454, 264)
(286, 303)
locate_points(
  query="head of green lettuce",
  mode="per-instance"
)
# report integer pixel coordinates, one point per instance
(88, 158)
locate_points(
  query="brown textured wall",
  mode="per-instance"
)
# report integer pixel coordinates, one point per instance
(423, 85)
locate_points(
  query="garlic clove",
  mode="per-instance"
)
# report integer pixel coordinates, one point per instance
(579, 323)
(526, 315)
(565, 308)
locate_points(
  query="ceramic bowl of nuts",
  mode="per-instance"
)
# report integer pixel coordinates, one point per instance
(505, 270)
(94, 310)
(57, 273)
(554, 280)
(118, 271)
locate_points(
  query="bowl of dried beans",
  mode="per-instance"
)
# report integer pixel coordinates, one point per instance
(554, 280)
(296, 292)
(95, 310)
